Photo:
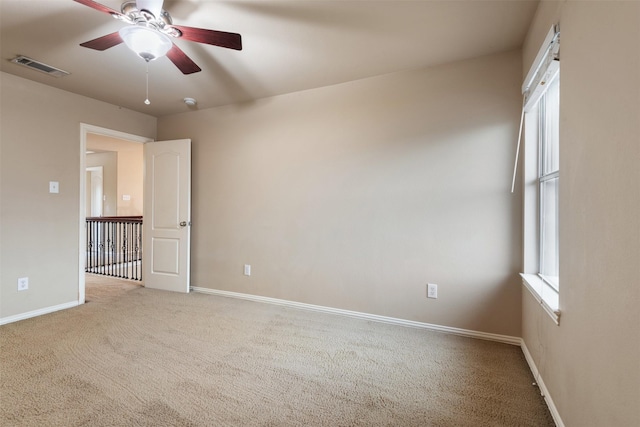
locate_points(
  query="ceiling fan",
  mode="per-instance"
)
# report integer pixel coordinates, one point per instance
(150, 31)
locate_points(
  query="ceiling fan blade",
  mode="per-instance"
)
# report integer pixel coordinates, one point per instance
(182, 61)
(98, 6)
(104, 42)
(212, 37)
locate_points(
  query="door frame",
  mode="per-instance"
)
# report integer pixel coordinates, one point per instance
(86, 129)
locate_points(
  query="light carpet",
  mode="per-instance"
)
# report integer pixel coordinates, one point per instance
(139, 357)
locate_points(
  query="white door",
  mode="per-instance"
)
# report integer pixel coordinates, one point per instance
(95, 197)
(167, 215)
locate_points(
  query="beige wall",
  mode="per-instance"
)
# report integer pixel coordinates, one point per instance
(590, 363)
(355, 196)
(130, 174)
(40, 131)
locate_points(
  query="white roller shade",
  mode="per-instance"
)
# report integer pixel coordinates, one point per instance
(544, 68)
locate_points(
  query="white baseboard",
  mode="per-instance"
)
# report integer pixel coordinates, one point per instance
(373, 317)
(543, 388)
(39, 312)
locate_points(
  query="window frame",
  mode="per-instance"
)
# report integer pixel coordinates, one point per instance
(545, 69)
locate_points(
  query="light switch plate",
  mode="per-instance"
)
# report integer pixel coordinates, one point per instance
(54, 187)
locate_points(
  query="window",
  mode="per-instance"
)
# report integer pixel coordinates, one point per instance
(548, 181)
(542, 176)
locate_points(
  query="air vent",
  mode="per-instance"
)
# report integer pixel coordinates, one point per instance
(39, 66)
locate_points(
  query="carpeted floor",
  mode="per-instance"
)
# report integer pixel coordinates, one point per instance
(100, 288)
(138, 357)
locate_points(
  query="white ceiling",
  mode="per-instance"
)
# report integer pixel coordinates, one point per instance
(288, 46)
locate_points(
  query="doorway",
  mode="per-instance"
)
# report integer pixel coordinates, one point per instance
(119, 156)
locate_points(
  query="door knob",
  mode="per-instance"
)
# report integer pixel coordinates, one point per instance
(183, 223)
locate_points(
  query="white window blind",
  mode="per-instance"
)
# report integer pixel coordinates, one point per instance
(545, 67)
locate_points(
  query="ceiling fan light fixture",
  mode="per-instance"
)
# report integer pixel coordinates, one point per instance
(146, 43)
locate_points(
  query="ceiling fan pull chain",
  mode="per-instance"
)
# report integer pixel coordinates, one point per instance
(146, 101)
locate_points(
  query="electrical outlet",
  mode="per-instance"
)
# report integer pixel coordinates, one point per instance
(23, 283)
(247, 270)
(432, 290)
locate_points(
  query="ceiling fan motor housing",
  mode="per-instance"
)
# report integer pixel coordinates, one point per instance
(145, 18)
